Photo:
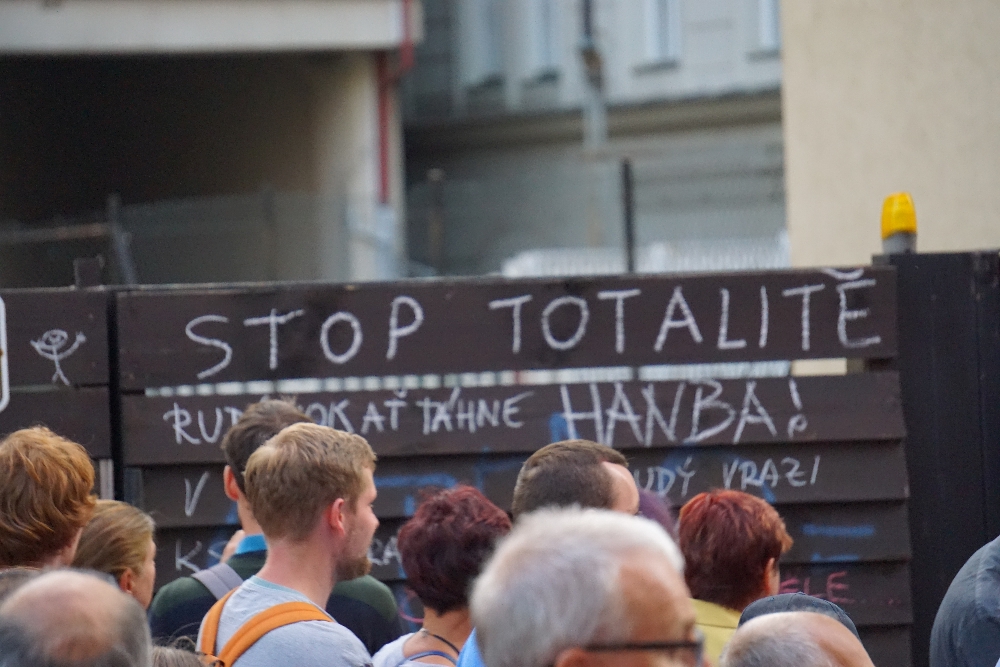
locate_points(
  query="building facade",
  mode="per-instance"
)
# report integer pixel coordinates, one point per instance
(181, 108)
(506, 151)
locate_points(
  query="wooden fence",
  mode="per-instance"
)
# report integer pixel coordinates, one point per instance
(460, 380)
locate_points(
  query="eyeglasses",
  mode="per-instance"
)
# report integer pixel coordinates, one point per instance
(688, 654)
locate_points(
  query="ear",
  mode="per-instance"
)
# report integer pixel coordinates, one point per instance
(126, 582)
(229, 483)
(335, 516)
(772, 578)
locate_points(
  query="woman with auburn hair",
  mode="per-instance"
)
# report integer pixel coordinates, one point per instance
(119, 541)
(443, 547)
(731, 543)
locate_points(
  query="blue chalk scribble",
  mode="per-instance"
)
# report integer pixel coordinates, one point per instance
(837, 558)
(860, 531)
(558, 429)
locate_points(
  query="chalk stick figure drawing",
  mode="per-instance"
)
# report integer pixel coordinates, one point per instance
(49, 346)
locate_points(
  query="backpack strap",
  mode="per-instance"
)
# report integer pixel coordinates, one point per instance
(258, 626)
(210, 626)
(267, 620)
(218, 579)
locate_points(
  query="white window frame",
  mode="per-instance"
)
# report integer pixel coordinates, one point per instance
(544, 50)
(768, 26)
(481, 34)
(662, 27)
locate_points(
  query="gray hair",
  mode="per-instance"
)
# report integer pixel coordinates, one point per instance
(792, 647)
(553, 583)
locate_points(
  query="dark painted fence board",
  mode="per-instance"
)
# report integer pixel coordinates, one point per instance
(220, 334)
(517, 419)
(81, 415)
(887, 646)
(826, 533)
(66, 324)
(871, 593)
(192, 495)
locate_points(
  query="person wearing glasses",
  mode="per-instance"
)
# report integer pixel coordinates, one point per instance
(585, 587)
(731, 543)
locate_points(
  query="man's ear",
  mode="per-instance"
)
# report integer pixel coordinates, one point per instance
(230, 485)
(334, 515)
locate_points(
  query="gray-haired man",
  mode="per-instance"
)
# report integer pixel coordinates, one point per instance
(574, 588)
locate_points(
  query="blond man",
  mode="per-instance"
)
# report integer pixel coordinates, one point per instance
(311, 489)
(46, 498)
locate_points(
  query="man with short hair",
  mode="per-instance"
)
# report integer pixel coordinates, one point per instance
(46, 485)
(573, 588)
(563, 474)
(72, 619)
(575, 472)
(311, 490)
(365, 606)
(795, 639)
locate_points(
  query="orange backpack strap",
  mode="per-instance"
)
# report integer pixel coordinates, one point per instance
(210, 628)
(261, 624)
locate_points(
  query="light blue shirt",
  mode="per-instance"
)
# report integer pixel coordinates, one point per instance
(469, 657)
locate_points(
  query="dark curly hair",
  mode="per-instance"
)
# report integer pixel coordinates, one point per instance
(446, 543)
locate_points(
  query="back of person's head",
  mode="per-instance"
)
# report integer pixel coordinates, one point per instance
(443, 547)
(118, 540)
(775, 604)
(795, 639)
(299, 472)
(728, 539)
(259, 423)
(566, 473)
(12, 578)
(554, 583)
(793, 647)
(46, 485)
(168, 656)
(72, 619)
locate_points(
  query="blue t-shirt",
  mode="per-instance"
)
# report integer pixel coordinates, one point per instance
(469, 657)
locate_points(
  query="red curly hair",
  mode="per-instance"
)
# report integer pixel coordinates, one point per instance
(446, 543)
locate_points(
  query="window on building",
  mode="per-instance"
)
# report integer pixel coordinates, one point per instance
(482, 41)
(543, 30)
(768, 26)
(663, 30)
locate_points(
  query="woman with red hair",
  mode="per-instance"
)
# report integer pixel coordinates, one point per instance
(442, 548)
(731, 543)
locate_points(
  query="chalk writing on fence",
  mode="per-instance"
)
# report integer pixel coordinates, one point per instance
(530, 324)
(615, 414)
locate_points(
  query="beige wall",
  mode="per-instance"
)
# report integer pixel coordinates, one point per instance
(887, 95)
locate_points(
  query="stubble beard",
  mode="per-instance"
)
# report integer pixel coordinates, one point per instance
(352, 568)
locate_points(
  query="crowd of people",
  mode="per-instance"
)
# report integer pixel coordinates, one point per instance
(585, 570)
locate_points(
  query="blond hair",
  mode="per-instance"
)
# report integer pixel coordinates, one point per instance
(299, 472)
(116, 539)
(46, 485)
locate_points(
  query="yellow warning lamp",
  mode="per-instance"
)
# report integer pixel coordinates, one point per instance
(899, 224)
